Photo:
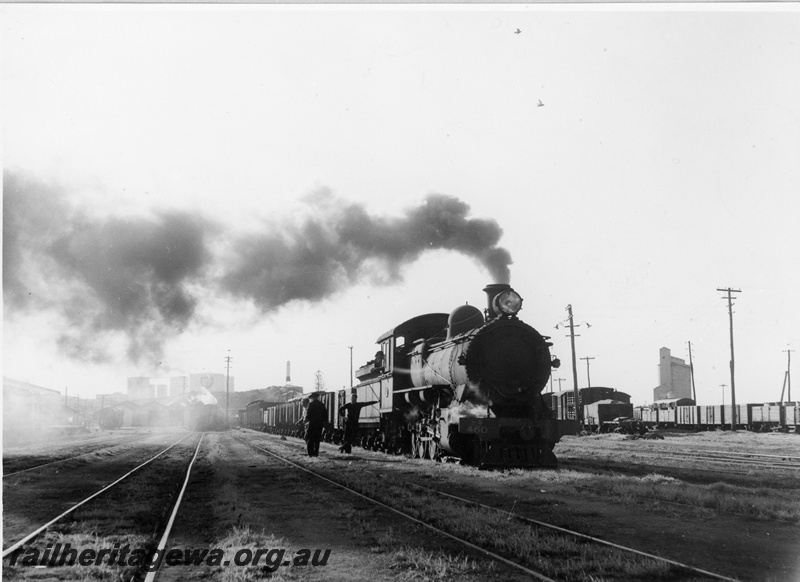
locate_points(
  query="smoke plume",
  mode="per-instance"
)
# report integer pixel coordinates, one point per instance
(139, 278)
(126, 275)
(338, 243)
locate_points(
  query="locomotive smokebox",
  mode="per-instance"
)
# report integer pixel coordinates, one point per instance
(493, 291)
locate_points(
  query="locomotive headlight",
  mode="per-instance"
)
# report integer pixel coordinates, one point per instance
(508, 302)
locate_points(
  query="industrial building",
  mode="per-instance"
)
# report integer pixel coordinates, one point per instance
(675, 378)
(33, 412)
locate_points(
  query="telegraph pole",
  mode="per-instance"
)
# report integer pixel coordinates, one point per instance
(560, 380)
(733, 382)
(572, 336)
(691, 373)
(788, 376)
(227, 389)
(588, 378)
(576, 395)
(351, 367)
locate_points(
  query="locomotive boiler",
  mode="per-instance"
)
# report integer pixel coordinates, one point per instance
(466, 385)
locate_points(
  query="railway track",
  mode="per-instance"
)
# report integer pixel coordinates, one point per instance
(274, 516)
(252, 464)
(162, 543)
(50, 446)
(394, 484)
(737, 459)
(703, 455)
(72, 507)
(197, 519)
(24, 461)
(92, 532)
(521, 568)
(537, 523)
(777, 461)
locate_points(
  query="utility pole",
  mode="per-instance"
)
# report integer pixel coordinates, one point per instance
(788, 380)
(572, 336)
(560, 380)
(227, 383)
(576, 395)
(691, 373)
(351, 367)
(733, 382)
(588, 378)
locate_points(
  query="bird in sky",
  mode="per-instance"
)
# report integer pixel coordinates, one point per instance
(540, 103)
(518, 31)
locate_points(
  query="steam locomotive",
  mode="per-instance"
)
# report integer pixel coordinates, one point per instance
(466, 385)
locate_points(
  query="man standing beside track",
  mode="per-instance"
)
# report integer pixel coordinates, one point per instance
(316, 416)
(353, 411)
(302, 421)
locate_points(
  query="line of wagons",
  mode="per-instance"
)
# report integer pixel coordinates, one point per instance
(604, 407)
(284, 418)
(604, 410)
(601, 407)
(684, 413)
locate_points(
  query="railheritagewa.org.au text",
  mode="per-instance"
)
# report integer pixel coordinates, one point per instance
(60, 555)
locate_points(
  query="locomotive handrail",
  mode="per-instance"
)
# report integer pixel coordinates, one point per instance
(427, 365)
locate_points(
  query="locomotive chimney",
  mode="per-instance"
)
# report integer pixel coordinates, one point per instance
(493, 291)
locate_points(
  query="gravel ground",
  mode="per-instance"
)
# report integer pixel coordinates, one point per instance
(239, 503)
(737, 546)
(242, 503)
(240, 498)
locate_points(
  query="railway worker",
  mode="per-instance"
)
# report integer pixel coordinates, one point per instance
(352, 412)
(301, 422)
(316, 416)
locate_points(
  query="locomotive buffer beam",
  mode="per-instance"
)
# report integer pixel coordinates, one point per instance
(514, 442)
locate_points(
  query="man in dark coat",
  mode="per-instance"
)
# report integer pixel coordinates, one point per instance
(316, 417)
(353, 412)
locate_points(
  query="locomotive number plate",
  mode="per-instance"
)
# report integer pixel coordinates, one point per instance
(483, 427)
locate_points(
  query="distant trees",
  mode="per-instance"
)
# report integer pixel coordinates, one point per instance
(319, 382)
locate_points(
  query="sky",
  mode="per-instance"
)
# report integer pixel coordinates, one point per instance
(187, 183)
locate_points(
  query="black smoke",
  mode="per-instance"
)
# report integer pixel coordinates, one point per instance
(140, 278)
(102, 275)
(338, 243)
